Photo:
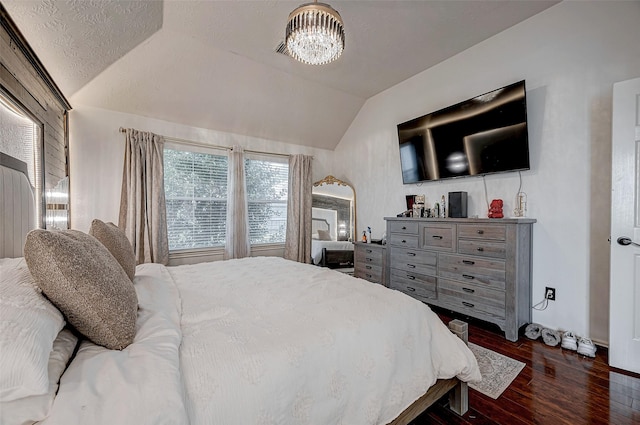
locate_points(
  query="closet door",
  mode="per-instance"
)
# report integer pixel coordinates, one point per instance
(624, 316)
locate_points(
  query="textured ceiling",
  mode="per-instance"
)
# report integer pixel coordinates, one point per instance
(213, 64)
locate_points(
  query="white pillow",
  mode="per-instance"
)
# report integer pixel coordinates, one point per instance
(27, 410)
(29, 324)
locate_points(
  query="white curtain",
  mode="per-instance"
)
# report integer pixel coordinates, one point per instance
(237, 238)
(142, 203)
(298, 237)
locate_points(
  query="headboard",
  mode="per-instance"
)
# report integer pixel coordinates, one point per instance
(17, 206)
(319, 224)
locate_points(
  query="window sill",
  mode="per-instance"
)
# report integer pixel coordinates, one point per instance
(192, 256)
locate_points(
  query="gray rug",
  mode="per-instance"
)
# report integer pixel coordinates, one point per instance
(497, 371)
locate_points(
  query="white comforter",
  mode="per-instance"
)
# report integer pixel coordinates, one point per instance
(140, 385)
(270, 341)
(262, 341)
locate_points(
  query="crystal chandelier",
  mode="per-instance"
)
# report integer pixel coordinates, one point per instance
(315, 34)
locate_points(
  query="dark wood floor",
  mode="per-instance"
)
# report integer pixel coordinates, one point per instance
(556, 387)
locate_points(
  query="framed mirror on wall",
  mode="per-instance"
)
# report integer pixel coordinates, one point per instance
(34, 125)
(22, 138)
(333, 223)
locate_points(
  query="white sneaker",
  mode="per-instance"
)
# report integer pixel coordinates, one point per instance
(586, 347)
(569, 341)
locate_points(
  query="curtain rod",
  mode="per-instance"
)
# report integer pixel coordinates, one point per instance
(206, 145)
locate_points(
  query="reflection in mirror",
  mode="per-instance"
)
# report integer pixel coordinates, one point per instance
(333, 222)
(57, 206)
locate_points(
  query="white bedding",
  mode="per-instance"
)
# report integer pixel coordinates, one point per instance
(140, 385)
(270, 341)
(317, 245)
(262, 341)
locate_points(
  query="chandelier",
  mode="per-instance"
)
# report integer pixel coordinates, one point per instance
(315, 34)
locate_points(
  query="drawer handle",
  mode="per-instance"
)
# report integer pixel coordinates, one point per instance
(369, 259)
(368, 267)
(412, 254)
(404, 227)
(409, 288)
(480, 249)
(480, 232)
(466, 304)
(468, 276)
(368, 276)
(411, 277)
(411, 266)
(436, 237)
(469, 290)
(369, 251)
(469, 262)
(403, 241)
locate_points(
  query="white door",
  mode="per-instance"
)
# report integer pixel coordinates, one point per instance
(624, 316)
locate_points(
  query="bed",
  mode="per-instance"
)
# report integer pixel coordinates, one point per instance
(326, 249)
(252, 341)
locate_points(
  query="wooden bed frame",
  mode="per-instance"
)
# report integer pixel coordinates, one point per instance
(336, 258)
(458, 391)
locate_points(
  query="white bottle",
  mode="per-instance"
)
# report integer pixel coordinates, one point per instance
(444, 207)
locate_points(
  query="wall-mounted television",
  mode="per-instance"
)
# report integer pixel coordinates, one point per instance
(483, 135)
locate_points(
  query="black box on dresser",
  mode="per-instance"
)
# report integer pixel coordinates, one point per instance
(477, 267)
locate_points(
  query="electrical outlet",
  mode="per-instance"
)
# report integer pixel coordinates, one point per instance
(550, 293)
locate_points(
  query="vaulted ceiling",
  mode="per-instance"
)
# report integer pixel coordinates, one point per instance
(213, 64)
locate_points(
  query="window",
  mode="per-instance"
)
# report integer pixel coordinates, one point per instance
(267, 188)
(196, 196)
(195, 186)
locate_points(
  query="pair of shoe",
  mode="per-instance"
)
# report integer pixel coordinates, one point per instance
(582, 345)
(549, 336)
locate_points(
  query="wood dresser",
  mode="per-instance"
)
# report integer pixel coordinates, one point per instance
(369, 261)
(477, 267)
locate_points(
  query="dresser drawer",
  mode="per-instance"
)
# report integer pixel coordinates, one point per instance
(482, 248)
(414, 284)
(365, 254)
(370, 272)
(439, 236)
(398, 239)
(403, 227)
(469, 297)
(413, 260)
(481, 271)
(482, 231)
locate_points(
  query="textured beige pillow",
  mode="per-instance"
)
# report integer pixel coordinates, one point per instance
(324, 235)
(79, 275)
(114, 239)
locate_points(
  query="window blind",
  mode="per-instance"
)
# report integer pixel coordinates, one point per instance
(196, 197)
(267, 192)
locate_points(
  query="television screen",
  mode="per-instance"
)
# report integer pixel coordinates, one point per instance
(483, 135)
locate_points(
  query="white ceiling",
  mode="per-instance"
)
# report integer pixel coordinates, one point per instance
(213, 64)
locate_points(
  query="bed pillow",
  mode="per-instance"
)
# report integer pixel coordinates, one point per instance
(29, 324)
(324, 235)
(79, 275)
(115, 240)
(36, 408)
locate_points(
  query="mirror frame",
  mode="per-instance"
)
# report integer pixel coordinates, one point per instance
(330, 180)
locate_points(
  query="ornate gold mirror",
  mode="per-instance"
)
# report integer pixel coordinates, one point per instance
(333, 218)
